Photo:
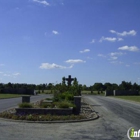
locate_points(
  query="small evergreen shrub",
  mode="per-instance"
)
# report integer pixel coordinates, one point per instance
(65, 104)
(25, 105)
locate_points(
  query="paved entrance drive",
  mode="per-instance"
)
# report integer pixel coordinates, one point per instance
(116, 117)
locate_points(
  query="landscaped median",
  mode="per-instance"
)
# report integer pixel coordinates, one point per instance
(64, 106)
(86, 114)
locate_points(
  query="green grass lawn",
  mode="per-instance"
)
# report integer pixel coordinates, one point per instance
(131, 98)
(6, 96)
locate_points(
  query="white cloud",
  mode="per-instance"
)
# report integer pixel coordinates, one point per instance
(124, 33)
(16, 74)
(7, 75)
(116, 62)
(92, 41)
(127, 48)
(114, 57)
(89, 57)
(137, 63)
(112, 31)
(84, 51)
(120, 39)
(1, 64)
(101, 55)
(116, 53)
(127, 65)
(53, 66)
(11, 74)
(73, 61)
(55, 32)
(110, 39)
(42, 2)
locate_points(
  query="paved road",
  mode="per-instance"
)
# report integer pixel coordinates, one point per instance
(12, 102)
(116, 117)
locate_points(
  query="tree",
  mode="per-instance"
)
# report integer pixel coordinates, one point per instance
(10, 85)
(98, 87)
(125, 85)
(115, 86)
(135, 86)
(63, 81)
(108, 86)
(50, 85)
(84, 87)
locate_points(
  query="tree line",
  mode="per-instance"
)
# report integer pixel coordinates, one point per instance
(95, 87)
(109, 86)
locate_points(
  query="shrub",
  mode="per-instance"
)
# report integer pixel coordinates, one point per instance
(25, 105)
(63, 96)
(65, 104)
(69, 97)
(47, 105)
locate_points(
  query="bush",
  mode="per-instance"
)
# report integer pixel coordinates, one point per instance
(25, 105)
(65, 104)
(47, 105)
(63, 96)
(69, 97)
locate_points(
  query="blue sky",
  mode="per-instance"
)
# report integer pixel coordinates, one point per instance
(94, 40)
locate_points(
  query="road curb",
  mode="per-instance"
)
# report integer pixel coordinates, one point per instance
(45, 122)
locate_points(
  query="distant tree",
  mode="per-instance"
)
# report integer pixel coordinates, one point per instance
(91, 89)
(63, 81)
(10, 85)
(108, 86)
(50, 85)
(115, 86)
(98, 87)
(84, 87)
(125, 85)
(135, 86)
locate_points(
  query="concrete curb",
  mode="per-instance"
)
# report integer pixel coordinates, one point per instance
(45, 122)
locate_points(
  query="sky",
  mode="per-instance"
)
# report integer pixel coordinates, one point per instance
(42, 41)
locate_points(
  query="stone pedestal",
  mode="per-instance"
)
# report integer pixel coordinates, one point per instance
(77, 102)
(26, 99)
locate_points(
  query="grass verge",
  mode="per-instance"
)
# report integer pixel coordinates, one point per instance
(130, 98)
(6, 96)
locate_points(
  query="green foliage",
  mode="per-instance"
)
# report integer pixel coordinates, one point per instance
(65, 104)
(125, 85)
(47, 105)
(25, 105)
(67, 96)
(33, 117)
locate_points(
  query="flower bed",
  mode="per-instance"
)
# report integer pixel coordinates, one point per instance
(44, 111)
(11, 114)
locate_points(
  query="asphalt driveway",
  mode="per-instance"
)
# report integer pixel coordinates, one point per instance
(116, 117)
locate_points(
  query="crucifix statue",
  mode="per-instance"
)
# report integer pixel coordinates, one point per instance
(69, 80)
